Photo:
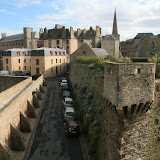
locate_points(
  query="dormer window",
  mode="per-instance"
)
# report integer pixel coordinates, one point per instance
(55, 52)
(24, 53)
(63, 52)
(59, 52)
(18, 53)
(51, 52)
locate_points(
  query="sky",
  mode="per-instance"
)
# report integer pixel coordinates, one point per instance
(133, 16)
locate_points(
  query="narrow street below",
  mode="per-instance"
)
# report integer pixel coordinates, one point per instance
(50, 141)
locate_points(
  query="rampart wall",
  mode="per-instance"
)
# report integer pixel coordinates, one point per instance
(111, 135)
(7, 82)
(18, 117)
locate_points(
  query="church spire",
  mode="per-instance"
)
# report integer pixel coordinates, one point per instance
(115, 29)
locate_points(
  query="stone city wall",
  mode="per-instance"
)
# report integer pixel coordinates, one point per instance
(110, 135)
(100, 121)
(14, 118)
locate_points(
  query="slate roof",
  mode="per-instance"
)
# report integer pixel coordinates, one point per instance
(100, 51)
(18, 37)
(140, 35)
(110, 37)
(35, 52)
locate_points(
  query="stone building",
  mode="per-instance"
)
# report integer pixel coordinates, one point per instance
(87, 51)
(46, 61)
(111, 42)
(141, 45)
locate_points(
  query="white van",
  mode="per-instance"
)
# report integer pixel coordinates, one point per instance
(4, 73)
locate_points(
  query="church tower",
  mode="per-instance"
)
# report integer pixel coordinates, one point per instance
(115, 28)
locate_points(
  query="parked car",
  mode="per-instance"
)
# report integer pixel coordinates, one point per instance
(63, 82)
(72, 128)
(35, 76)
(4, 73)
(63, 79)
(65, 93)
(64, 87)
(25, 74)
(67, 102)
(69, 113)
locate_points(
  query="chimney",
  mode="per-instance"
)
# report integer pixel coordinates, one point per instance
(71, 33)
(3, 35)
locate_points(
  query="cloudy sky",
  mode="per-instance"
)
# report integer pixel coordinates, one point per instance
(133, 16)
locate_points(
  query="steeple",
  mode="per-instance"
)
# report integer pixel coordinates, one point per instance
(115, 29)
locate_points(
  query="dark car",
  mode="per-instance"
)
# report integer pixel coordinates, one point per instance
(65, 93)
(64, 87)
(35, 76)
(72, 128)
(25, 74)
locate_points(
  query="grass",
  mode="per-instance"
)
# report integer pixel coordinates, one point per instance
(99, 62)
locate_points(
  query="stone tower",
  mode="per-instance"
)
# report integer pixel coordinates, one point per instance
(115, 28)
(27, 37)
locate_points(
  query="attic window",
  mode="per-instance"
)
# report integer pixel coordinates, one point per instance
(37, 52)
(59, 52)
(55, 52)
(51, 52)
(6, 53)
(84, 52)
(24, 53)
(18, 53)
(63, 52)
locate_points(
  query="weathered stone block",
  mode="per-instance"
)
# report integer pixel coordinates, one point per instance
(24, 123)
(5, 152)
(16, 140)
(30, 110)
(35, 101)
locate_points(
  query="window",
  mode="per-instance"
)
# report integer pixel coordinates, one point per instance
(30, 67)
(30, 60)
(64, 60)
(55, 52)
(51, 61)
(7, 61)
(25, 68)
(60, 60)
(57, 42)
(67, 49)
(19, 61)
(84, 52)
(19, 68)
(56, 60)
(59, 52)
(24, 60)
(63, 52)
(60, 68)
(67, 41)
(37, 61)
(52, 69)
(7, 68)
(37, 70)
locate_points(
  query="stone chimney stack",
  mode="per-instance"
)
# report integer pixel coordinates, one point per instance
(63, 32)
(41, 31)
(45, 33)
(78, 32)
(98, 31)
(71, 33)
(84, 33)
(3, 35)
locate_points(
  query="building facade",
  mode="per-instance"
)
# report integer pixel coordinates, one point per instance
(46, 61)
(111, 42)
(141, 45)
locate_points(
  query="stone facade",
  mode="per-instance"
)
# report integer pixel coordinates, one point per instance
(140, 46)
(129, 135)
(126, 84)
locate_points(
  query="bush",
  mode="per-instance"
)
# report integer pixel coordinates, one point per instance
(139, 59)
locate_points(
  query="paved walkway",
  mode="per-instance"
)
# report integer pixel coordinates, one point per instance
(50, 142)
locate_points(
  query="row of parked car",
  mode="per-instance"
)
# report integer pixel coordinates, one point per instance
(70, 124)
